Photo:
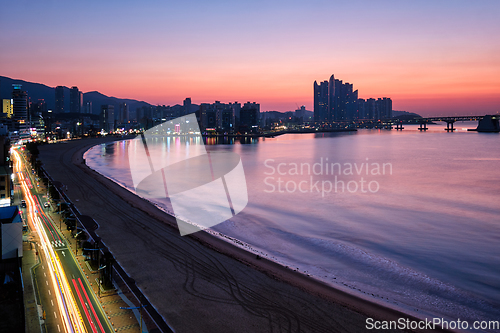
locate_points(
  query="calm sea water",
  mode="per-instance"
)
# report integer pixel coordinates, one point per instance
(404, 218)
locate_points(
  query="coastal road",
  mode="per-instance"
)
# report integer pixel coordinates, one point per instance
(44, 284)
(69, 302)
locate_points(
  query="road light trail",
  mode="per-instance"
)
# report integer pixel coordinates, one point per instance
(45, 220)
(68, 310)
(69, 307)
(84, 307)
(91, 306)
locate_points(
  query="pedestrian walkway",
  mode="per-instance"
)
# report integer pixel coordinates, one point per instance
(30, 259)
(121, 320)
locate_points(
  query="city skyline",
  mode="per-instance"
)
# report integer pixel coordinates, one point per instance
(432, 59)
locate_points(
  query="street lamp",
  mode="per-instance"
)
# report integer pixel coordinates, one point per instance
(98, 269)
(76, 243)
(99, 278)
(135, 308)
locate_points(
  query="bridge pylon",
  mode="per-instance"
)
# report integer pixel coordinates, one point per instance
(448, 123)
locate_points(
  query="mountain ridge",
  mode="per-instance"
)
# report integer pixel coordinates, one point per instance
(38, 91)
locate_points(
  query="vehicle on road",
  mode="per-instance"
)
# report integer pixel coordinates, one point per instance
(23, 203)
(46, 205)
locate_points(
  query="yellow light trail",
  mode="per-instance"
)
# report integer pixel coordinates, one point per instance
(68, 309)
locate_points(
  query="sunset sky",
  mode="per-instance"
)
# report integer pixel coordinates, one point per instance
(430, 57)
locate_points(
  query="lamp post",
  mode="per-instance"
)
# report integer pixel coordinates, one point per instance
(98, 268)
(135, 308)
(99, 277)
(60, 219)
(76, 242)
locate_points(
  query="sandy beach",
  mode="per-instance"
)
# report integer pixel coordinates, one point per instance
(199, 283)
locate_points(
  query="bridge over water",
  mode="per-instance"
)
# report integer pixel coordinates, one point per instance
(487, 123)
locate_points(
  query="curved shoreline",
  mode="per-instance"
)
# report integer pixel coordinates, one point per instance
(227, 246)
(275, 271)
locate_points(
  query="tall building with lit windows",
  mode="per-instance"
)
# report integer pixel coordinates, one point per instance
(384, 108)
(20, 121)
(217, 116)
(322, 101)
(336, 101)
(7, 110)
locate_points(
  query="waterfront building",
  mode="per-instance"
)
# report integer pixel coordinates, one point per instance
(322, 100)
(336, 101)
(384, 108)
(361, 109)
(370, 108)
(186, 106)
(237, 109)
(108, 118)
(218, 116)
(249, 117)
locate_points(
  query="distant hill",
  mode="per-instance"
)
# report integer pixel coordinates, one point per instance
(35, 91)
(281, 115)
(38, 91)
(404, 114)
(99, 99)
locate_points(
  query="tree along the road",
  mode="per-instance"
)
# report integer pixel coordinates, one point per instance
(107, 262)
(32, 148)
(53, 193)
(70, 222)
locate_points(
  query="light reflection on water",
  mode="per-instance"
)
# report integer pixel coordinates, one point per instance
(428, 239)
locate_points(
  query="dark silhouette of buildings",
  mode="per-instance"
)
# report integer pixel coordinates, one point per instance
(187, 106)
(323, 103)
(108, 118)
(335, 101)
(75, 100)
(38, 111)
(300, 113)
(59, 99)
(384, 108)
(345, 98)
(249, 117)
(372, 109)
(87, 108)
(220, 117)
(123, 115)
